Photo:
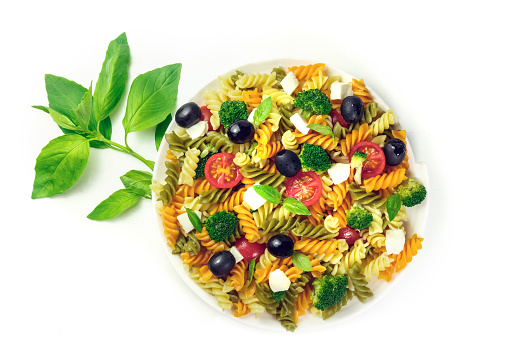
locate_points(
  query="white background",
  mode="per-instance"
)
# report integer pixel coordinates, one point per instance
(442, 67)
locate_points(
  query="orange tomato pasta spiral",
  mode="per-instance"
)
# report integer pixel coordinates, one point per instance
(307, 71)
(247, 222)
(264, 133)
(360, 90)
(238, 276)
(400, 134)
(356, 136)
(293, 273)
(303, 300)
(340, 213)
(240, 309)
(269, 150)
(201, 185)
(383, 181)
(318, 119)
(202, 258)
(252, 98)
(412, 245)
(171, 231)
(311, 246)
(170, 156)
(208, 243)
(324, 141)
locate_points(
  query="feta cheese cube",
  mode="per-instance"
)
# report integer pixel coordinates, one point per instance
(198, 130)
(394, 241)
(289, 83)
(300, 123)
(278, 281)
(253, 199)
(250, 118)
(340, 90)
(186, 224)
(339, 172)
(236, 254)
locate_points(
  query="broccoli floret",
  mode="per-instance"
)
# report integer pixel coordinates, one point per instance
(358, 217)
(204, 156)
(314, 158)
(232, 111)
(221, 225)
(252, 149)
(358, 159)
(328, 291)
(411, 192)
(278, 296)
(313, 102)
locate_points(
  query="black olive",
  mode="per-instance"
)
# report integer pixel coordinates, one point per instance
(221, 263)
(241, 131)
(280, 246)
(352, 109)
(395, 152)
(188, 115)
(287, 163)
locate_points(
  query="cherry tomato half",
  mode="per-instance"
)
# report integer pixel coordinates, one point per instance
(221, 171)
(205, 116)
(249, 250)
(336, 116)
(375, 162)
(305, 187)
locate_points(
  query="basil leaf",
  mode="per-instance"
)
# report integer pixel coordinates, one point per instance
(64, 95)
(115, 204)
(268, 193)
(84, 112)
(42, 108)
(295, 206)
(138, 182)
(151, 98)
(60, 164)
(194, 219)
(161, 129)
(61, 120)
(251, 270)
(325, 130)
(112, 79)
(393, 205)
(301, 261)
(262, 111)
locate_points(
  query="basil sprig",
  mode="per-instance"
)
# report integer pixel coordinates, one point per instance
(301, 261)
(295, 206)
(325, 130)
(251, 270)
(83, 115)
(194, 219)
(393, 205)
(262, 111)
(268, 193)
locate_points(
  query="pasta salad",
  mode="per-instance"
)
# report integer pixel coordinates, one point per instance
(287, 191)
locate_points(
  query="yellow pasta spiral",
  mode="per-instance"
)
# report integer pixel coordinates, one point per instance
(316, 82)
(241, 159)
(383, 181)
(188, 169)
(263, 133)
(381, 124)
(269, 150)
(310, 246)
(356, 254)
(331, 224)
(278, 96)
(325, 141)
(213, 102)
(208, 243)
(359, 89)
(375, 266)
(319, 119)
(247, 222)
(356, 136)
(289, 142)
(256, 80)
(305, 72)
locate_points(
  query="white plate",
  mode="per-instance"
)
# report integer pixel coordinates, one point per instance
(417, 216)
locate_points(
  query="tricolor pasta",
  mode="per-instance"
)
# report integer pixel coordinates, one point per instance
(212, 174)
